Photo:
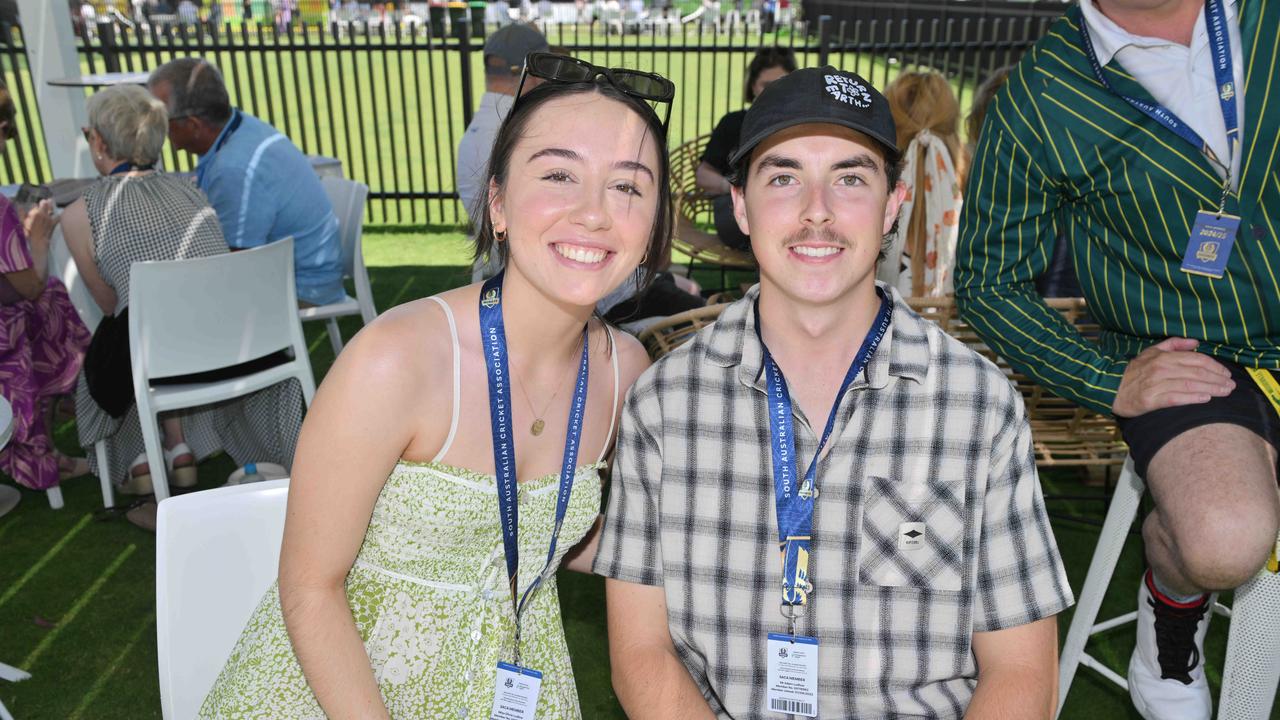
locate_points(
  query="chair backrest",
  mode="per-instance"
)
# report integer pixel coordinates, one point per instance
(670, 333)
(348, 199)
(63, 267)
(217, 552)
(190, 316)
(691, 201)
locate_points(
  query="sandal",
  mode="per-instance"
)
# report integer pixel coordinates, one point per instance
(71, 467)
(137, 483)
(184, 475)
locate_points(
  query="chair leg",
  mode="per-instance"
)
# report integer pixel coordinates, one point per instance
(104, 474)
(55, 497)
(1253, 666)
(155, 453)
(335, 336)
(1124, 507)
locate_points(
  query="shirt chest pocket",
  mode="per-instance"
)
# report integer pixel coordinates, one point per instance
(913, 534)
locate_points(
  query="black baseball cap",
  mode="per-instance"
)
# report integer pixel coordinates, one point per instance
(818, 95)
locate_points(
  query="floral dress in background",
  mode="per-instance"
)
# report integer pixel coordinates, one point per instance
(42, 344)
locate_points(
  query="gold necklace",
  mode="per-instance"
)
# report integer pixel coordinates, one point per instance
(538, 423)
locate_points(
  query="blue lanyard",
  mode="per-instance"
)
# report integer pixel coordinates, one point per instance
(494, 338)
(126, 166)
(236, 118)
(1223, 72)
(795, 505)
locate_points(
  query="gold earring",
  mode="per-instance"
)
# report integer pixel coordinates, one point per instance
(500, 235)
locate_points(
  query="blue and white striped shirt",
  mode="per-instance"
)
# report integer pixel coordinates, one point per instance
(263, 189)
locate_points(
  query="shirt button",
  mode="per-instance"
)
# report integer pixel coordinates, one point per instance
(467, 676)
(462, 712)
(475, 636)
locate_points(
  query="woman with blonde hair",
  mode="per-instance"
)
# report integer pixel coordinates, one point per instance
(921, 253)
(135, 214)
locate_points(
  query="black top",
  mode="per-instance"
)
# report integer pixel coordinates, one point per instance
(723, 140)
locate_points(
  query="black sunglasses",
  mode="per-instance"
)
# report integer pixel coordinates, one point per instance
(564, 69)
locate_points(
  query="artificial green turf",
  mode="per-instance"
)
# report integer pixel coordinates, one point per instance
(77, 606)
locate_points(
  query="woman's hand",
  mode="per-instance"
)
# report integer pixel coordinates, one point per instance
(39, 223)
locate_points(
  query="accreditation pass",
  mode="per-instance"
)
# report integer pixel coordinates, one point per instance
(793, 675)
(515, 694)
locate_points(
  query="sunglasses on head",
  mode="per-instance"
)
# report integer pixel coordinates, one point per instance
(564, 69)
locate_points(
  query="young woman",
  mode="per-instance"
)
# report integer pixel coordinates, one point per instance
(394, 596)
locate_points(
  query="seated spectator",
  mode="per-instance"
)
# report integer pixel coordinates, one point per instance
(769, 64)
(260, 183)
(504, 54)
(42, 340)
(920, 253)
(134, 214)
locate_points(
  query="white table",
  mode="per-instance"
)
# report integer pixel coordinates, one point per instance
(103, 80)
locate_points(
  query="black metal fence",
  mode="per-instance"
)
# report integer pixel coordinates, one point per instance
(391, 101)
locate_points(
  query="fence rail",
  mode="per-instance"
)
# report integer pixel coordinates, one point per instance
(391, 101)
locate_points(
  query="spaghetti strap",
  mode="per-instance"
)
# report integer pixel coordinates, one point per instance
(457, 378)
(617, 379)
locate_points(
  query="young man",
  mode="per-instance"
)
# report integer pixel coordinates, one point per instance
(259, 183)
(1145, 135)
(921, 576)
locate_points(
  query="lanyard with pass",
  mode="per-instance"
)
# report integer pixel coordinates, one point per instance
(1213, 234)
(236, 118)
(792, 660)
(517, 687)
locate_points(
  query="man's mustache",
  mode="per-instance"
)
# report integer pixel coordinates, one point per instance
(824, 235)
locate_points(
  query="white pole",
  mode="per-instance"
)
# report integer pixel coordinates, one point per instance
(51, 53)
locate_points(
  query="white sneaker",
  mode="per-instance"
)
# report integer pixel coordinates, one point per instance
(1166, 671)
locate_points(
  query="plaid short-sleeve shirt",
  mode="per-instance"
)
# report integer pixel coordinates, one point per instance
(931, 433)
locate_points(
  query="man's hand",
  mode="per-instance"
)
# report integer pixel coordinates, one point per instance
(1169, 374)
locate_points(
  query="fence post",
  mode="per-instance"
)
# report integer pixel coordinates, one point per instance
(824, 40)
(107, 42)
(464, 64)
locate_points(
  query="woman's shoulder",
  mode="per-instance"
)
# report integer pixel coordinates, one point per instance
(412, 340)
(633, 359)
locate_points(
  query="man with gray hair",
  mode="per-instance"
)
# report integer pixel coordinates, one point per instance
(259, 183)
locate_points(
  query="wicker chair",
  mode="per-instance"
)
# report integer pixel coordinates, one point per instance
(693, 212)
(1063, 434)
(672, 332)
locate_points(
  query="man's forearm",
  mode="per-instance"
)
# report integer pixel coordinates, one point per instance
(1036, 340)
(1013, 693)
(651, 682)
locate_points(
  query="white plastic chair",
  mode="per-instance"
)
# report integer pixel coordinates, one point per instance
(63, 267)
(217, 553)
(1252, 669)
(348, 197)
(194, 316)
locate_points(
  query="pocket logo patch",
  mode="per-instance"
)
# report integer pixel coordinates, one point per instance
(911, 535)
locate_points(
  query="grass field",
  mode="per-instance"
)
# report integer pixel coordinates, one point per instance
(77, 605)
